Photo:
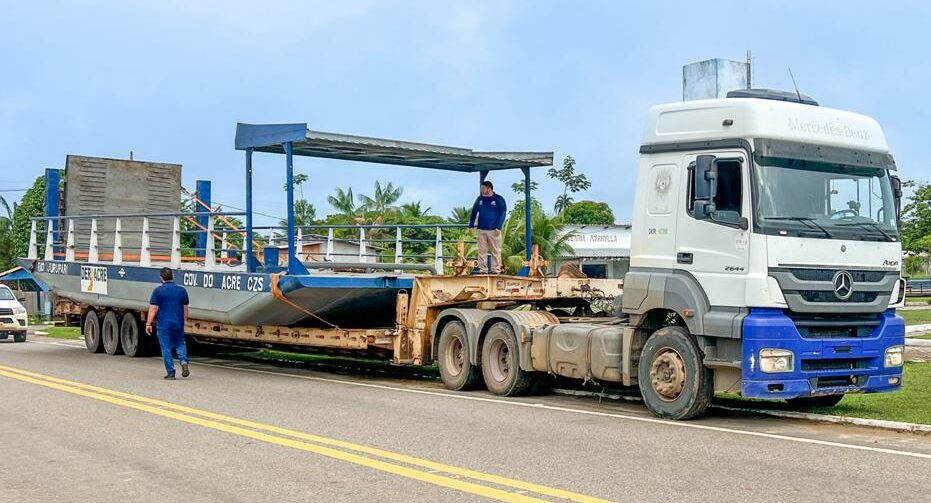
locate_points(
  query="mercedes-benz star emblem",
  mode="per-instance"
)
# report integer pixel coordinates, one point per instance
(843, 285)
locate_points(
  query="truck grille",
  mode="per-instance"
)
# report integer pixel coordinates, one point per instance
(828, 275)
(835, 364)
(832, 326)
(811, 289)
(6, 310)
(822, 296)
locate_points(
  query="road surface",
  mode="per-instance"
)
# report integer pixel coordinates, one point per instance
(91, 427)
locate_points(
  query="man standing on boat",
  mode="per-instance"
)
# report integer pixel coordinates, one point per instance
(488, 214)
(169, 306)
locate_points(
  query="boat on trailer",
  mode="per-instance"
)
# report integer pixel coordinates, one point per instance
(102, 260)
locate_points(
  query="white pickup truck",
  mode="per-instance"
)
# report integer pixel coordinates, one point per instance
(13, 320)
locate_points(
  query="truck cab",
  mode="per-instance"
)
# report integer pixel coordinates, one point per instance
(765, 240)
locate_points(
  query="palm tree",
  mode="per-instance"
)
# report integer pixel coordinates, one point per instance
(546, 231)
(460, 215)
(413, 211)
(343, 202)
(6, 236)
(383, 198)
(562, 202)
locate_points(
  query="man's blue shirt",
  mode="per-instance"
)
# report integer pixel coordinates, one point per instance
(170, 299)
(491, 212)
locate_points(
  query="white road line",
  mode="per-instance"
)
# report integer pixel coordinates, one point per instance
(72, 346)
(679, 424)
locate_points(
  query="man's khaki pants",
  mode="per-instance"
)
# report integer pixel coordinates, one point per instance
(489, 242)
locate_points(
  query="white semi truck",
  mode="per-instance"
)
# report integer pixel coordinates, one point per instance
(764, 261)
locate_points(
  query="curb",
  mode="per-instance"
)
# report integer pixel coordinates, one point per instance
(808, 416)
(918, 342)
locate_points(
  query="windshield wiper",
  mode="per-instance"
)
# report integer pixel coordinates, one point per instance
(805, 220)
(871, 224)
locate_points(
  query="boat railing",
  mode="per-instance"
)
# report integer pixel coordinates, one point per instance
(161, 239)
(431, 244)
(144, 239)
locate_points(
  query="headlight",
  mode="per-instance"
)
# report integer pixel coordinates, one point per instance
(19, 310)
(776, 360)
(895, 356)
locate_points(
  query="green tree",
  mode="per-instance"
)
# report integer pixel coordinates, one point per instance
(304, 214)
(589, 213)
(459, 215)
(298, 181)
(382, 199)
(916, 219)
(6, 236)
(343, 202)
(518, 187)
(32, 205)
(572, 182)
(546, 231)
(413, 211)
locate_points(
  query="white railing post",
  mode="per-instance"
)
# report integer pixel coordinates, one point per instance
(210, 258)
(49, 241)
(438, 252)
(299, 245)
(329, 245)
(224, 247)
(361, 245)
(398, 247)
(92, 252)
(33, 252)
(175, 243)
(117, 243)
(69, 246)
(145, 253)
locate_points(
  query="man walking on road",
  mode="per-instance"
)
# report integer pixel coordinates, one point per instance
(169, 305)
(490, 210)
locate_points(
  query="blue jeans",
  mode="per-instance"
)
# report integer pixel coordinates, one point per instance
(169, 339)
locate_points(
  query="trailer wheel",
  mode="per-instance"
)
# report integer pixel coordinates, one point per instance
(132, 339)
(19, 337)
(110, 333)
(91, 332)
(501, 364)
(673, 381)
(456, 368)
(811, 402)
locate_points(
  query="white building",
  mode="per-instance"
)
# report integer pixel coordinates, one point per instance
(601, 251)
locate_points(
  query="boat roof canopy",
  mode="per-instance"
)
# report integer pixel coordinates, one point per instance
(272, 138)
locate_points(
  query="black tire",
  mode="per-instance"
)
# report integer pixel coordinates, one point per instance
(673, 381)
(133, 339)
(19, 337)
(811, 402)
(110, 333)
(456, 367)
(91, 332)
(501, 362)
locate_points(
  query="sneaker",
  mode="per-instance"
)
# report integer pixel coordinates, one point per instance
(169, 377)
(185, 371)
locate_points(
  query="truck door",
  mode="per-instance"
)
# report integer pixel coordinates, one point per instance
(712, 238)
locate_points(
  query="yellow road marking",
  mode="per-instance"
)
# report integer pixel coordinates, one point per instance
(123, 399)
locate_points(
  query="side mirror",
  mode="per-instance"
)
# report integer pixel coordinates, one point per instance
(896, 183)
(706, 178)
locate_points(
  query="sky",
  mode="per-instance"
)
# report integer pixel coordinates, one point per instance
(169, 80)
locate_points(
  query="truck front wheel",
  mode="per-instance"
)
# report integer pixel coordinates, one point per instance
(501, 363)
(674, 382)
(456, 368)
(91, 331)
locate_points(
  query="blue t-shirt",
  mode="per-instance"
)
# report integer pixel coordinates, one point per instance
(170, 299)
(491, 211)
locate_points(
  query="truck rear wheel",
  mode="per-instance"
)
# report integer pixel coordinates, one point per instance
(110, 333)
(91, 331)
(501, 362)
(811, 402)
(132, 339)
(456, 368)
(673, 381)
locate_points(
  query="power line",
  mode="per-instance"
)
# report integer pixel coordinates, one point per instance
(13, 190)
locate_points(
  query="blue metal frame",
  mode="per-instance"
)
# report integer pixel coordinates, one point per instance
(204, 204)
(52, 195)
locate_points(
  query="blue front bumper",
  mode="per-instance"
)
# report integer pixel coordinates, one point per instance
(823, 366)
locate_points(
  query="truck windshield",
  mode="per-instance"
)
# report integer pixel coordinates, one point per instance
(6, 294)
(825, 201)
